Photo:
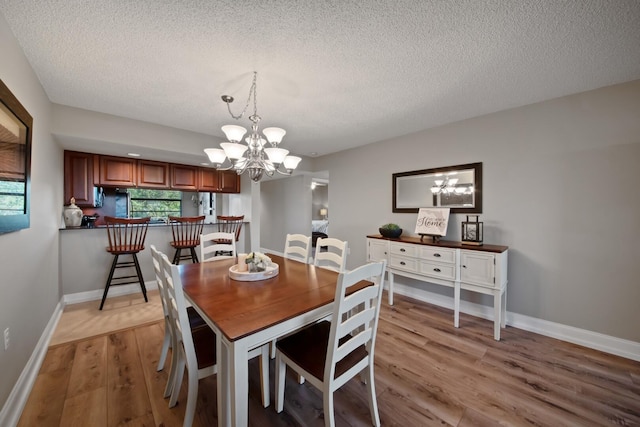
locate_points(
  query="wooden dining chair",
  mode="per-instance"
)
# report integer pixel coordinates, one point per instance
(230, 224)
(186, 233)
(334, 257)
(126, 237)
(195, 350)
(195, 320)
(329, 354)
(217, 246)
(297, 247)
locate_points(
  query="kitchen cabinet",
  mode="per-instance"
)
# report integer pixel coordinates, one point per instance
(153, 174)
(229, 181)
(80, 170)
(218, 181)
(117, 171)
(481, 269)
(184, 177)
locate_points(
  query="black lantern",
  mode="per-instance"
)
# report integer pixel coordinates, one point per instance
(472, 231)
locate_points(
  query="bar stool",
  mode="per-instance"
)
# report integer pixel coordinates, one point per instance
(186, 235)
(126, 237)
(230, 224)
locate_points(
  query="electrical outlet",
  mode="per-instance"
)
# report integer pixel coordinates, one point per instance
(6, 339)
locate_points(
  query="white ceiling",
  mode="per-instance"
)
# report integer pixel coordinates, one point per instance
(334, 74)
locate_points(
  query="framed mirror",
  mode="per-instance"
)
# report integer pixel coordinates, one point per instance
(456, 187)
(15, 162)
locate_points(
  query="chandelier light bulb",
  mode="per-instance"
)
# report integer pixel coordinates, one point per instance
(276, 155)
(291, 162)
(233, 150)
(216, 156)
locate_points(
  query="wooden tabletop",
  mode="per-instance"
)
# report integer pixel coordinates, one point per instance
(241, 308)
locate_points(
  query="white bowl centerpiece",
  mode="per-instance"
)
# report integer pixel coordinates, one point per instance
(253, 267)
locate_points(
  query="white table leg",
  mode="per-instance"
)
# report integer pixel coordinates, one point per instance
(390, 288)
(222, 356)
(239, 376)
(456, 304)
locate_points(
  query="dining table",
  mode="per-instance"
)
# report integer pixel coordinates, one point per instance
(248, 314)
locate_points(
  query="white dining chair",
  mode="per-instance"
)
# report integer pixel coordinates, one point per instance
(330, 353)
(195, 320)
(298, 247)
(334, 257)
(215, 246)
(196, 350)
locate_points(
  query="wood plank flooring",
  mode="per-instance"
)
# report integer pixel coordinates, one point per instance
(428, 373)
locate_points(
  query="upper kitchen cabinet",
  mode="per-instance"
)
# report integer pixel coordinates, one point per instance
(184, 177)
(117, 171)
(218, 181)
(153, 174)
(80, 170)
(229, 181)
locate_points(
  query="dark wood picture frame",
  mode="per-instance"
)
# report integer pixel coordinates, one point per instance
(15, 159)
(477, 187)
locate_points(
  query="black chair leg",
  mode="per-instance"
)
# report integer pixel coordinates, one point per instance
(176, 257)
(144, 289)
(106, 287)
(194, 257)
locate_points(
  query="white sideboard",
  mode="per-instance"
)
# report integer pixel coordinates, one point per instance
(480, 269)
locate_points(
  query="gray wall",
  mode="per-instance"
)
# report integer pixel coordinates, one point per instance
(560, 189)
(29, 288)
(285, 209)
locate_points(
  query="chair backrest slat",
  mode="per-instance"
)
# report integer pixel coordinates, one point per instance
(126, 234)
(298, 247)
(215, 246)
(334, 257)
(230, 224)
(355, 316)
(187, 228)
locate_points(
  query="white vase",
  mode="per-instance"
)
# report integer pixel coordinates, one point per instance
(72, 215)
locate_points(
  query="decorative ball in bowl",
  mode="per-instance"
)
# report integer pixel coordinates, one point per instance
(390, 230)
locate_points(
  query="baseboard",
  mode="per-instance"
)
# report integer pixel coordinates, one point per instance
(113, 292)
(10, 414)
(597, 341)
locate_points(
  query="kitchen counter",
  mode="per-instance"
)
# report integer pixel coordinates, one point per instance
(85, 263)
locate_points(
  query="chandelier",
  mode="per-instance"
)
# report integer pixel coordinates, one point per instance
(448, 186)
(253, 156)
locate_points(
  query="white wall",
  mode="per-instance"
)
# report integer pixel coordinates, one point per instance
(560, 189)
(29, 285)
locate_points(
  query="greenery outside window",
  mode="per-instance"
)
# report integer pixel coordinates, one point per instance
(157, 204)
(12, 197)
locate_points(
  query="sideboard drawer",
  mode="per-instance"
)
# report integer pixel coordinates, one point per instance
(439, 270)
(404, 249)
(438, 254)
(403, 263)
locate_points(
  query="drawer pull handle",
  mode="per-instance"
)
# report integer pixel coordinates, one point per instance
(402, 250)
(464, 266)
(402, 263)
(437, 270)
(437, 255)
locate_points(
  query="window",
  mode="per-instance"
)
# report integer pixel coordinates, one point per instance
(11, 197)
(155, 203)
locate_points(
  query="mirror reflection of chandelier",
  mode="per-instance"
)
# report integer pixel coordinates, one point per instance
(449, 185)
(252, 156)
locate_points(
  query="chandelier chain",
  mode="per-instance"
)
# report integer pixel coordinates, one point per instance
(252, 92)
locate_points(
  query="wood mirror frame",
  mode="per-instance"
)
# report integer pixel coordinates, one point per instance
(15, 162)
(412, 190)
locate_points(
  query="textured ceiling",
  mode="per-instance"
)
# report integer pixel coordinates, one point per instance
(335, 74)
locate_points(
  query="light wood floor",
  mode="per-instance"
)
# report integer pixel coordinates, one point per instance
(427, 374)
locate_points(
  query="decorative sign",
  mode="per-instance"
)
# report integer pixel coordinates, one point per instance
(432, 221)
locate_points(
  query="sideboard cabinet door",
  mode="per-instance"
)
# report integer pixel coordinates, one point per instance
(478, 268)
